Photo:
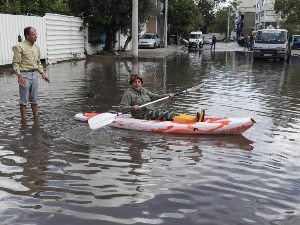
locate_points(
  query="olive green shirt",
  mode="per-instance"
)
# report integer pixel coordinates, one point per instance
(26, 57)
(132, 97)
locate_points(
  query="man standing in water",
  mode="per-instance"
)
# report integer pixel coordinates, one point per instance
(27, 65)
(213, 43)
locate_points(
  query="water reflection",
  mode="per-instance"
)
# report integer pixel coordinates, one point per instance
(36, 153)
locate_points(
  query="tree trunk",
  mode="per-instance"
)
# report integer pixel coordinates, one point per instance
(109, 41)
(126, 43)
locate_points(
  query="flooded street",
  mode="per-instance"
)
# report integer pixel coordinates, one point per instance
(58, 171)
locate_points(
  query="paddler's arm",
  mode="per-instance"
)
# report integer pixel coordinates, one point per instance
(125, 103)
(154, 97)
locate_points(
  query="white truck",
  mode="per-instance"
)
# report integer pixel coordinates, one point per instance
(271, 44)
(196, 39)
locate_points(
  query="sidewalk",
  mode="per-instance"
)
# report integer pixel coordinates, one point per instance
(161, 53)
(145, 53)
(226, 47)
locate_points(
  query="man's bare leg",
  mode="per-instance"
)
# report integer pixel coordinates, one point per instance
(35, 110)
(23, 111)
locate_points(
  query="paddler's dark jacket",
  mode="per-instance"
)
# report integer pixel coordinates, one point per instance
(132, 97)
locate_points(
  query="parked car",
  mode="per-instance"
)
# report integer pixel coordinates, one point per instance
(296, 42)
(207, 39)
(149, 40)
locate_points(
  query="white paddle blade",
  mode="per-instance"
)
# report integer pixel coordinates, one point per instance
(101, 120)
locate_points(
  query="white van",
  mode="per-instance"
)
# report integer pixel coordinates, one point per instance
(196, 39)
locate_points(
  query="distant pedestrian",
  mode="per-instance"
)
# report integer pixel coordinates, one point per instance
(213, 43)
(27, 65)
(251, 42)
(246, 44)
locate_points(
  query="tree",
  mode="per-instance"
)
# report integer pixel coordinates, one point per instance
(220, 22)
(290, 11)
(33, 7)
(206, 8)
(10, 7)
(111, 16)
(184, 16)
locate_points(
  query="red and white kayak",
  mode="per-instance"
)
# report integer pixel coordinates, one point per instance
(208, 126)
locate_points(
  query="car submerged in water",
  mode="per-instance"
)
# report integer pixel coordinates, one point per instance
(149, 40)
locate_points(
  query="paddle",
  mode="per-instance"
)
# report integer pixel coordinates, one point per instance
(104, 119)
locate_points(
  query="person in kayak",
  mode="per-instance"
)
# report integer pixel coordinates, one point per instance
(136, 95)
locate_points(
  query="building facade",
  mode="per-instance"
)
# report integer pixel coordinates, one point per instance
(245, 18)
(255, 14)
(265, 15)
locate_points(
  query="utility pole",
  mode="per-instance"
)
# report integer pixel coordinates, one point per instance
(166, 25)
(228, 38)
(134, 36)
(135, 31)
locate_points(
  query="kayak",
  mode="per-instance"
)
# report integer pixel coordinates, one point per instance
(210, 125)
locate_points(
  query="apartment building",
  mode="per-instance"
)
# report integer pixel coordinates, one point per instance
(265, 15)
(245, 18)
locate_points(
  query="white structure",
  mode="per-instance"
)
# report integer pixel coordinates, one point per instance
(265, 14)
(246, 5)
(60, 37)
(12, 26)
(65, 39)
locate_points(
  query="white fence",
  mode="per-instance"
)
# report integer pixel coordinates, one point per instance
(11, 27)
(60, 37)
(65, 40)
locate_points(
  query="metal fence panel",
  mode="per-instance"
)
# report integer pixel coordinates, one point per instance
(65, 39)
(12, 26)
(59, 37)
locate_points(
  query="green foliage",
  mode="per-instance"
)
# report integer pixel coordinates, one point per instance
(184, 16)
(290, 11)
(206, 8)
(220, 22)
(204, 15)
(10, 7)
(90, 94)
(33, 7)
(110, 16)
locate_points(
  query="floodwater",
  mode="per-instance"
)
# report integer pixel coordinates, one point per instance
(58, 171)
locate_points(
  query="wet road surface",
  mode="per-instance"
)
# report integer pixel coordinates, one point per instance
(57, 171)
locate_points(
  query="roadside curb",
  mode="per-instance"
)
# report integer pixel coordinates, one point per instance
(145, 54)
